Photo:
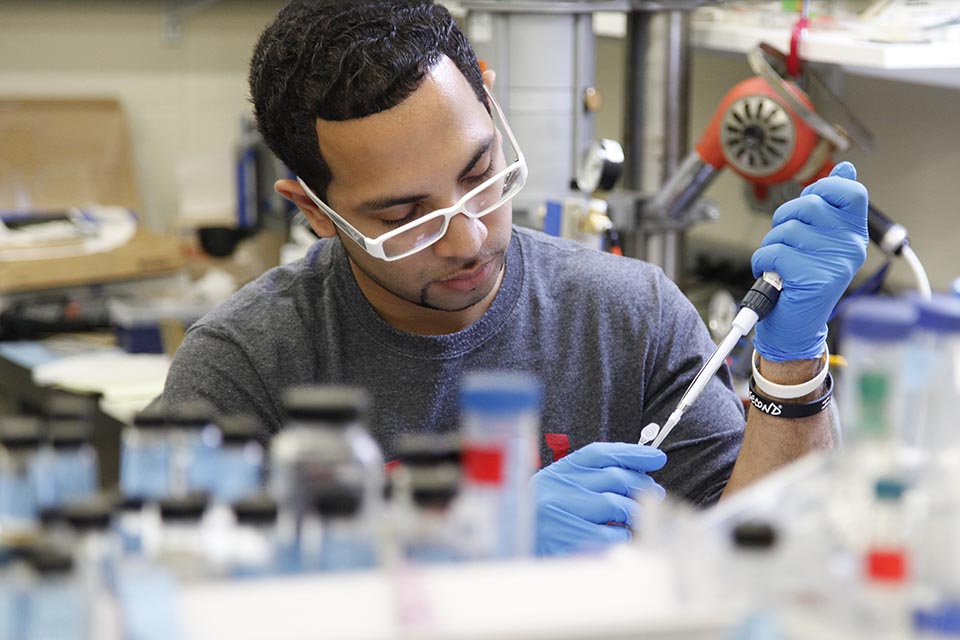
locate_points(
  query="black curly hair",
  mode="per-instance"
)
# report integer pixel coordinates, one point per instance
(345, 59)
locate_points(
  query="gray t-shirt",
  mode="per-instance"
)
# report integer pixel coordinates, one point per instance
(614, 342)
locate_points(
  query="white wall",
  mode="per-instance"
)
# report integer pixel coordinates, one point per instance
(182, 98)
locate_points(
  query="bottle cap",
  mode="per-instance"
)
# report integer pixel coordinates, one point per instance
(754, 535)
(879, 319)
(189, 508)
(68, 404)
(89, 515)
(434, 490)
(888, 488)
(426, 449)
(69, 433)
(193, 414)
(500, 392)
(940, 314)
(50, 562)
(153, 416)
(49, 516)
(256, 510)
(240, 429)
(337, 502)
(129, 503)
(18, 433)
(328, 404)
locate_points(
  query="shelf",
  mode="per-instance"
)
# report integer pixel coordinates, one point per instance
(935, 63)
(833, 47)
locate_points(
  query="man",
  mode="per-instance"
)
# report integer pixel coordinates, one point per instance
(382, 112)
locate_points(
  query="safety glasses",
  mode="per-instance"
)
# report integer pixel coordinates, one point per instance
(419, 234)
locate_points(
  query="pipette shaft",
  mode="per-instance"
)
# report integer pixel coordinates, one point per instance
(758, 302)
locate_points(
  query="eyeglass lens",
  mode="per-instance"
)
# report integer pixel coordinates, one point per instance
(487, 200)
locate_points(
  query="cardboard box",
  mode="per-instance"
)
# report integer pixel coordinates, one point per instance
(61, 153)
(144, 256)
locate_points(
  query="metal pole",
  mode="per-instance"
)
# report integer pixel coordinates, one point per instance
(676, 121)
(635, 112)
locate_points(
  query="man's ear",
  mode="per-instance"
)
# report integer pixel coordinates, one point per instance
(292, 191)
(489, 77)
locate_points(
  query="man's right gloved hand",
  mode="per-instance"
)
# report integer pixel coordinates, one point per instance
(585, 501)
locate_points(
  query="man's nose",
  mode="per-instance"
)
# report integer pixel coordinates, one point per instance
(464, 238)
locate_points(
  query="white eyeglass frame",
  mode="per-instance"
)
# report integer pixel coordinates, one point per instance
(374, 246)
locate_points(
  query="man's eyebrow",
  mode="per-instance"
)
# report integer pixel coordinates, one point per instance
(482, 149)
(378, 204)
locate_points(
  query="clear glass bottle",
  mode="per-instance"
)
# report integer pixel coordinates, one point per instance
(933, 379)
(194, 440)
(57, 607)
(425, 484)
(348, 542)
(324, 444)
(254, 539)
(181, 544)
(934, 393)
(145, 455)
(885, 599)
(240, 460)
(74, 469)
(128, 523)
(19, 451)
(500, 424)
(69, 462)
(9, 593)
(96, 551)
(871, 390)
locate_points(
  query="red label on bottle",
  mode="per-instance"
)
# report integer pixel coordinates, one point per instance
(886, 565)
(484, 465)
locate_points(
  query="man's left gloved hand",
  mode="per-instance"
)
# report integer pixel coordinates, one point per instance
(818, 242)
(579, 495)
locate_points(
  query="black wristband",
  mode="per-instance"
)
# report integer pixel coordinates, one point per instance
(781, 409)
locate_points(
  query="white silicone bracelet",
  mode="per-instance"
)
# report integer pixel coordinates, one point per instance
(789, 392)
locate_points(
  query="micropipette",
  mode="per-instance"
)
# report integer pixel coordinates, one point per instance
(755, 306)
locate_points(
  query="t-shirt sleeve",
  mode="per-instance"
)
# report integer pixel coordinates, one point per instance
(702, 448)
(211, 366)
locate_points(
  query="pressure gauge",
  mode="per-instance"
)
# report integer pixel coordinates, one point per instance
(601, 166)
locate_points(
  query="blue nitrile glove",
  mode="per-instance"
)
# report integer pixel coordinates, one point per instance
(817, 243)
(578, 495)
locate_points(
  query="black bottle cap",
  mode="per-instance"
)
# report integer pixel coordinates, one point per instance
(426, 449)
(18, 433)
(153, 416)
(337, 502)
(256, 510)
(189, 508)
(240, 429)
(49, 516)
(69, 433)
(89, 515)
(754, 535)
(129, 503)
(329, 404)
(49, 561)
(192, 414)
(62, 404)
(437, 497)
